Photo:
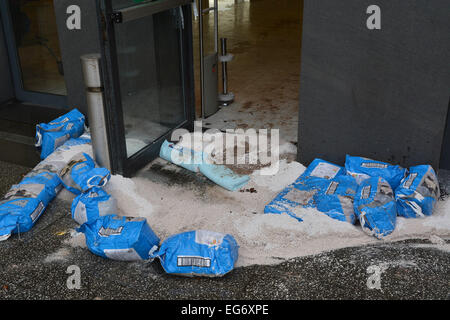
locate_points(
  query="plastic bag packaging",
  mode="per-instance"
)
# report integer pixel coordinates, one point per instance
(54, 134)
(198, 253)
(303, 191)
(25, 202)
(92, 205)
(198, 162)
(120, 238)
(181, 156)
(418, 192)
(61, 157)
(81, 174)
(336, 201)
(323, 169)
(375, 207)
(363, 168)
(223, 176)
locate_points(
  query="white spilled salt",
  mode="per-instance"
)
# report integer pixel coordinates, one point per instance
(287, 174)
(263, 238)
(288, 147)
(77, 239)
(129, 201)
(59, 256)
(441, 218)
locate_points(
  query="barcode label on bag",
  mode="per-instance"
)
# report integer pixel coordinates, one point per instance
(37, 212)
(374, 165)
(185, 261)
(106, 232)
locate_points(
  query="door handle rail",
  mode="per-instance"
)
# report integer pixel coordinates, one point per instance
(145, 9)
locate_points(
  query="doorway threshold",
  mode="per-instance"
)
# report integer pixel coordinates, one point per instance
(18, 128)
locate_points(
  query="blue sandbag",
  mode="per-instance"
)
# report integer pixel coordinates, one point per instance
(300, 193)
(336, 201)
(418, 192)
(120, 238)
(183, 157)
(25, 202)
(81, 174)
(197, 161)
(314, 180)
(375, 207)
(323, 169)
(54, 134)
(198, 253)
(92, 204)
(363, 168)
(223, 176)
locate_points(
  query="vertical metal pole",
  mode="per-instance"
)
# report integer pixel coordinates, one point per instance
(202, 71)
(216, 27)
(96, 109)
(224, 66)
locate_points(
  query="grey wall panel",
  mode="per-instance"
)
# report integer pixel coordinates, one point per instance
(6, 88)
(376, 93)
(75, 43)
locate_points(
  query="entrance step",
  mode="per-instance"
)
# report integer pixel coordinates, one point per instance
(17, 131)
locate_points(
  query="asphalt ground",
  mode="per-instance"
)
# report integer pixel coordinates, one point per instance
(29, 269)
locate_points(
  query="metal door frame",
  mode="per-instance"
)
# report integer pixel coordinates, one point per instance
(21, 94)
(120, 163)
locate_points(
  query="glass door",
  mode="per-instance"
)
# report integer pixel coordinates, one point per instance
(34, 52)
(149, 78)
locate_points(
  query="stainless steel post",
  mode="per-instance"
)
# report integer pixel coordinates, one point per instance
(96, 109)
(226, 98)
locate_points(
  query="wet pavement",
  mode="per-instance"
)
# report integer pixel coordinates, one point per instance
(34, 266)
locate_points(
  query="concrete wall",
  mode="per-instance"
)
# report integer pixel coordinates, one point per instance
(382, 94)
(75, 43)
(6, 87)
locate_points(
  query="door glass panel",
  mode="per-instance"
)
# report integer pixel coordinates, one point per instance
(150, 75)
(120, 4)
(37, 42)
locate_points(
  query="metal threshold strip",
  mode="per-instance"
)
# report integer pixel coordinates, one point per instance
(146, 9)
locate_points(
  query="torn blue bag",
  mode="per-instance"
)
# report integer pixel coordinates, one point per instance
(302, 192)
(363, 168)
(120, 238)
(375, 207)
(336, 201)
(81, 174)
(418, 192)
(54, 134)
(93, 204)
(25, 202)
(198, 253)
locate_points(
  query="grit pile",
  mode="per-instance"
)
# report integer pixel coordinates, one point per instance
(263, 238)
